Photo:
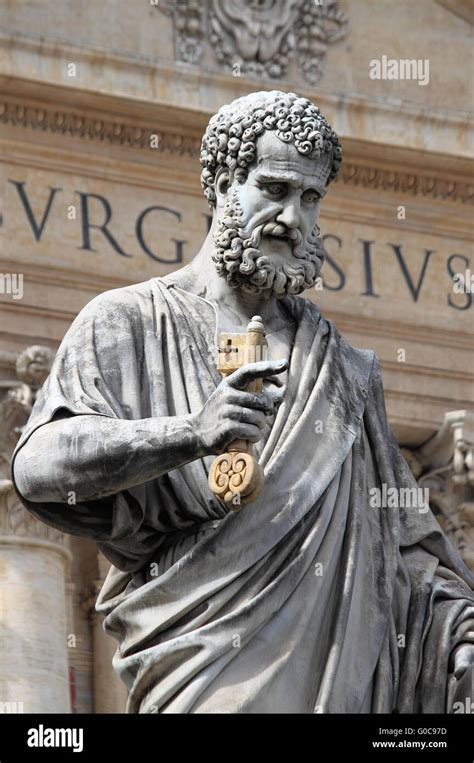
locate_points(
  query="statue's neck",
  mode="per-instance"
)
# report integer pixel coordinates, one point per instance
(239, 307)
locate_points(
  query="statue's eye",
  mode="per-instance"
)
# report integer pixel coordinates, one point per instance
(311, 196)
(275, 189)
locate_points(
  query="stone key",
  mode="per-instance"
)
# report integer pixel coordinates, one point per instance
(235, 476)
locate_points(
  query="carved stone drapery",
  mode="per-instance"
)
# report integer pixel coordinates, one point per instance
(445, 465)
(257, 37)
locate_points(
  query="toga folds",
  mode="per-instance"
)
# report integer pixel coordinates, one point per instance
(307, 600)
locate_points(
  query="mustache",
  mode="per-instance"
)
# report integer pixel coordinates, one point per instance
(273, 228)
(281, 230)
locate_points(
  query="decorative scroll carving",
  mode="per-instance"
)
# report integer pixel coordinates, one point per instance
(16, 520)
(14, 411)
(258, 36)
(317, 27)
(445, 465)
(32, 368)
(255, 35)
(189, 28)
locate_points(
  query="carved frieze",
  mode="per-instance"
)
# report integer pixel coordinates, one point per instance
(258, 37)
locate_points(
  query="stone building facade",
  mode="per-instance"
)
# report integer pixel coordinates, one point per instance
(102, 108)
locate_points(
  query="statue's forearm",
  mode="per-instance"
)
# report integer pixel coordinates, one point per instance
(94, 456)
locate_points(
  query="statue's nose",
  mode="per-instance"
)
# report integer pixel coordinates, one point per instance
(289, 216)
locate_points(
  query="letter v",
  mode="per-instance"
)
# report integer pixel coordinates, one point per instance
(37, 229)
(415, 290)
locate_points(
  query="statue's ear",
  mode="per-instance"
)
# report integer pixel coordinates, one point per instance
(222, 183)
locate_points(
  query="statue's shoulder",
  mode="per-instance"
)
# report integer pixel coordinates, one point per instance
(362, 357)
(358, 363)
(126, 303)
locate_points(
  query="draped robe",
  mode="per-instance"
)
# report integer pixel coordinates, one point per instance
(307, 600)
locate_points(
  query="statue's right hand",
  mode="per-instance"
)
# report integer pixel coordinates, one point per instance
(231, 413)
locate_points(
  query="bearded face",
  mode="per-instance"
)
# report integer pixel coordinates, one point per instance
(239, 258)
(266, 240)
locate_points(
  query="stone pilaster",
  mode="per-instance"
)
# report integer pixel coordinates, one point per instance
(33, 614)
(34, 564)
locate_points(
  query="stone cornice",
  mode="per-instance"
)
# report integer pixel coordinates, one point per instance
(77, 125)
(439, 184)
(405, 182)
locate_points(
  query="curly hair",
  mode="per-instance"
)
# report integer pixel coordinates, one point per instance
(231, 136)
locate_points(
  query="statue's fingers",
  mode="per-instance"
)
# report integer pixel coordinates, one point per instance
(260, 401)
(252, 371)
(246, 416)
(249, 432)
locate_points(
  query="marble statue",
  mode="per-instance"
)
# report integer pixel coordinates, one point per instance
(332, 588)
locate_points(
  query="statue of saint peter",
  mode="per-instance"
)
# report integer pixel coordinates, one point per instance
(309, 599)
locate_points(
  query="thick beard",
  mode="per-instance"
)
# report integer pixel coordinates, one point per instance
(239, 260)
